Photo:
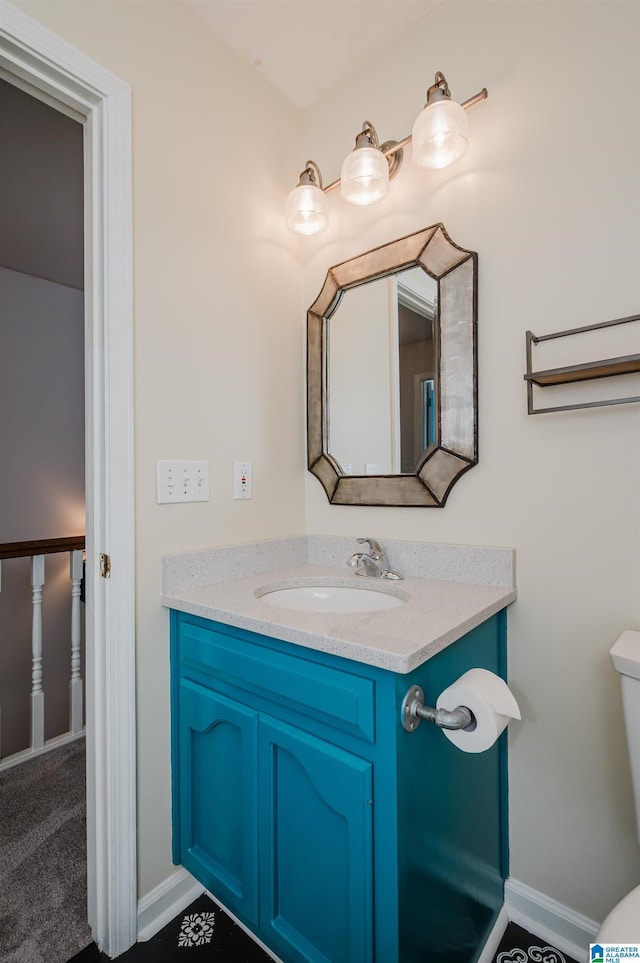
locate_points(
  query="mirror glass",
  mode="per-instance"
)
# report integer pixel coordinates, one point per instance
(382, 375)
(392, 373)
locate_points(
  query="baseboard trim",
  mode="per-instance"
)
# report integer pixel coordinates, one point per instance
(493, 940)
(564, 928)
(169, 898)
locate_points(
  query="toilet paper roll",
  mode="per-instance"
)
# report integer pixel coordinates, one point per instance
(491, 702)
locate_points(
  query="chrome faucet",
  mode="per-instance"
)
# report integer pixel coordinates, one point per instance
(372, 565)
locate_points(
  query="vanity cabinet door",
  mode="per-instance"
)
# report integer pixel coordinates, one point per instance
(316, 848)
(219, 796)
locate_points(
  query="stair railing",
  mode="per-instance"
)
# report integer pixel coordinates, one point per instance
(37, 550)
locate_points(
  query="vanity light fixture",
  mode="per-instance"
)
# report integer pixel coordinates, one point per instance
(306, 207)
(364, 178)
(439, 137)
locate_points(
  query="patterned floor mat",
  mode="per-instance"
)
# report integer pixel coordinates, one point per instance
(519, 946)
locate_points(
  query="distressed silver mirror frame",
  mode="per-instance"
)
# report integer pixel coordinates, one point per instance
(455, 270)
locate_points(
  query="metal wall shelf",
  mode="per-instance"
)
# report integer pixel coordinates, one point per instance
(588, 371)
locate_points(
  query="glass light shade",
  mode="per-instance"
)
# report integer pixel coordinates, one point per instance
(439, 134)
(364, 178)
(306, 210)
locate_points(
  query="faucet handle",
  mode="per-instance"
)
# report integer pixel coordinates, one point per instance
(375, 548)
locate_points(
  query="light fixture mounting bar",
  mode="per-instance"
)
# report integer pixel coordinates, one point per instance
(400, 144)
(481, 95)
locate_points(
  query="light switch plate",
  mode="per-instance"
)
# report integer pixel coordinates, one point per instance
(183, 481)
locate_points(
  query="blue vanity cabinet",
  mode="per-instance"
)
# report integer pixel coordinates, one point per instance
(271, 816)
(302, 804)
(316, 848)
(217, 836)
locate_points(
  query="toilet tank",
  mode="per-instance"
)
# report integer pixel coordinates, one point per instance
(625, 655)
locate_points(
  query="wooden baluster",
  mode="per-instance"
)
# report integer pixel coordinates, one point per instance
(37, 693)
(75, 685)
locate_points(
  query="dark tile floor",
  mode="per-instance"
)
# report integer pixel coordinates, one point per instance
(209, 934)
(203, 929)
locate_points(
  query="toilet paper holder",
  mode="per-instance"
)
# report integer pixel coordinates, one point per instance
(413, 711)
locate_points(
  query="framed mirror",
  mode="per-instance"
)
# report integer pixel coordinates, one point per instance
(392, 373)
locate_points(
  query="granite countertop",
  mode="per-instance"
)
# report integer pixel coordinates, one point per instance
(436, 612)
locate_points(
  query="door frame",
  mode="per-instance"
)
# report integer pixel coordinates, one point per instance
(49, 68)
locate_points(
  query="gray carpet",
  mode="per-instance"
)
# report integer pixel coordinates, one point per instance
(43, 882)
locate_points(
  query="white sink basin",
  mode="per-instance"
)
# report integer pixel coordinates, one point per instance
(329, 598)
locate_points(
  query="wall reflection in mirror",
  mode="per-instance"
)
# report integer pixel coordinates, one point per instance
(382, 411)
(392, 373)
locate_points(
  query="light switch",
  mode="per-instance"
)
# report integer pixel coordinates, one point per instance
(183, 481)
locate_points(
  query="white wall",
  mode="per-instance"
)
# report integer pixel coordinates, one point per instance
(360, 405)
(217, 326)
(42, 201)
(548, 195)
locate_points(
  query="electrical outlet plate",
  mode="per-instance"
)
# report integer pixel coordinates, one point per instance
(242, 479)
(183, 481)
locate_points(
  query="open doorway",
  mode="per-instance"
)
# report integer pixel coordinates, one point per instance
(41, 392)
(41, 509)
(38, 62)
